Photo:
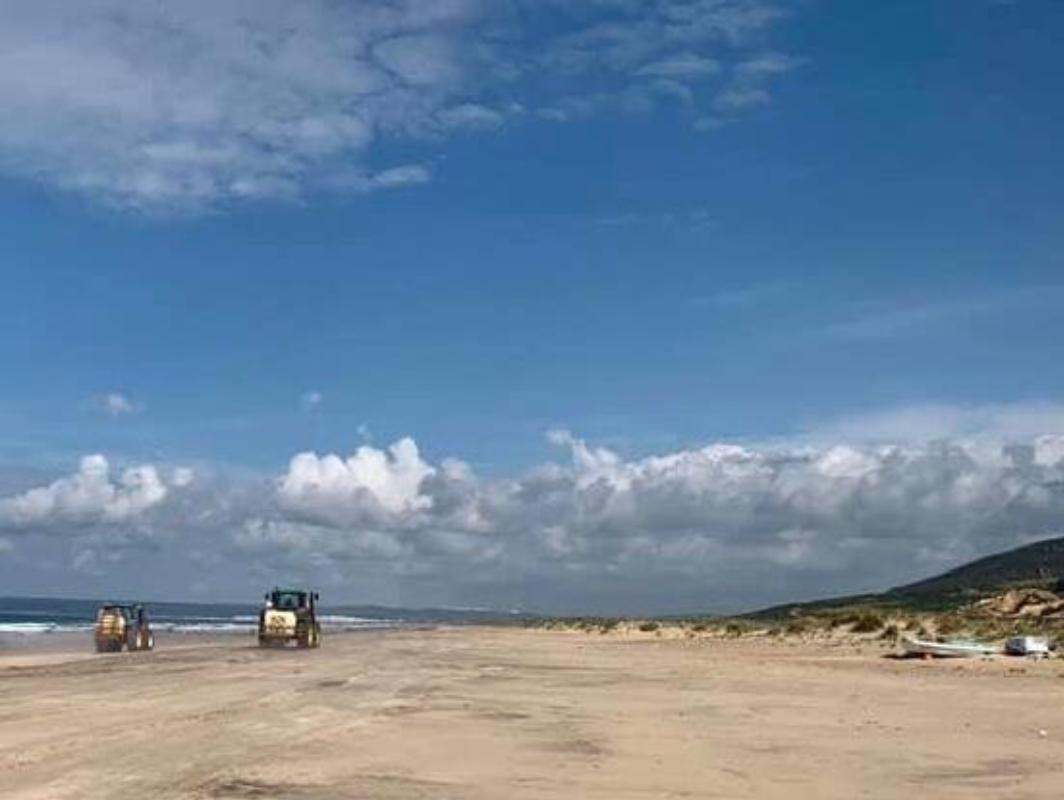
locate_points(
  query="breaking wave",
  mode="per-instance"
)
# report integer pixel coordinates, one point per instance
(33, 623)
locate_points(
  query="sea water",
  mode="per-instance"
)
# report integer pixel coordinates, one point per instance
(32, 616)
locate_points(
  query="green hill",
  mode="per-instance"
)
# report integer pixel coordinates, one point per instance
(1040, 565)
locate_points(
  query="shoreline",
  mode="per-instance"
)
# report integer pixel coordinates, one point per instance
(57, 647)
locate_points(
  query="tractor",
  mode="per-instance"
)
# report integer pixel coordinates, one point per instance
(290, 615)
(123, 627)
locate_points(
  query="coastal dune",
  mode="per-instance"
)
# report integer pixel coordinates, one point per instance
(508, 713)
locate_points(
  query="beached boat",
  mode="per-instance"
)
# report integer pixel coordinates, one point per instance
(1027, 646)
(955, 648)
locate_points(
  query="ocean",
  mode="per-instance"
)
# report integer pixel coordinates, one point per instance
(32, 616)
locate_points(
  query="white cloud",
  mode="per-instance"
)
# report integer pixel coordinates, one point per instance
(855, 505)
(681, 65)
(296, 541)
(347, 180)
(471, 116)
(739, 98)
(310, 401)
(883, 510)
(635, 54)
(426, 60)
(371, 484)
(118, 405)
(406, 175)
(91, 495)
(1000, 423)
(748, 85)
(160, 105)
(184, 105)
(182, 477)
(811, 515)
(767, 64)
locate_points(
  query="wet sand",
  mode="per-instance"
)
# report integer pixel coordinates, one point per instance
(494, 713)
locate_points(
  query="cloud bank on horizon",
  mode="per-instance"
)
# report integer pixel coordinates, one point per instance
(159, 106)
(720, 525)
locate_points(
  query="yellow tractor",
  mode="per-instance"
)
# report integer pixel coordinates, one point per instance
(122, 627)
(290, 615)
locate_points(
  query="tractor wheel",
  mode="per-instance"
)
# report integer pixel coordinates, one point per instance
(149, 641)
(317, 635)
(303, 635)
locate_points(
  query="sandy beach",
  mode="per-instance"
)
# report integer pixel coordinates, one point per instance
(497, 713)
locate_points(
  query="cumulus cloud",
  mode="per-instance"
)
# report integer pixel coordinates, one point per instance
(184, 105)
(805, 507)
(91, 495)
(371, 485)
(117, 404)
(814, 516)
(857, 505)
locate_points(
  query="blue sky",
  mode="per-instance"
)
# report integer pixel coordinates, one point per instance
(658, 225)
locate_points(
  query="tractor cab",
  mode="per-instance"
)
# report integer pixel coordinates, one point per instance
(291, 600)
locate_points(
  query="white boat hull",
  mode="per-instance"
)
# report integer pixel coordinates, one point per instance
(917, 647)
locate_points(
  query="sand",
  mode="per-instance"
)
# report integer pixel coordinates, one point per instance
(496, 713)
